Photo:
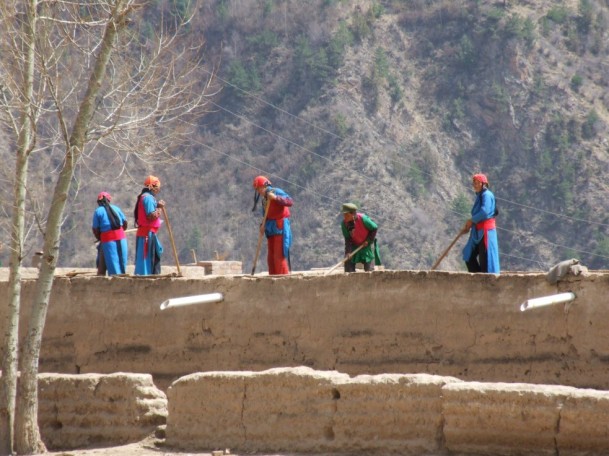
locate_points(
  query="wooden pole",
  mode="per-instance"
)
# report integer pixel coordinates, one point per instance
(173, 244)
(266, 212)
(344, 260)
(435, 265)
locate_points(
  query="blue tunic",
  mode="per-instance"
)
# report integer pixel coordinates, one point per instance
(115, 252)
(148, 250)
(484, 208)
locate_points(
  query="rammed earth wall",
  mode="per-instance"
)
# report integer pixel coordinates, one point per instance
(301, 410)
(450, 324)
(495, 389)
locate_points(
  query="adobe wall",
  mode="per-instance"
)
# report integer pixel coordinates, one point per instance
(450, 324)
(302, 410)
(79, 411)
(306, 411)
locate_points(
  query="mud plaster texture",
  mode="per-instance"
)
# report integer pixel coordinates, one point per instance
(469, 327)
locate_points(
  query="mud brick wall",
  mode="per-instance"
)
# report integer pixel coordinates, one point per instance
(309, 411)
(450, 324)
(79, 411)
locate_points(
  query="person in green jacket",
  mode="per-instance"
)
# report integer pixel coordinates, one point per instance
(359, 231)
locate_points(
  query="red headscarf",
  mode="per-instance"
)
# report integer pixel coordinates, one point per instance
(152, 181)
(480, 178)
(261, 181)
(103, 195)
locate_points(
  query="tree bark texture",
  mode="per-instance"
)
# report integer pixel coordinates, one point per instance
(26, 138)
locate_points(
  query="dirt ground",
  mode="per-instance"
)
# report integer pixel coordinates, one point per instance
(146, 447)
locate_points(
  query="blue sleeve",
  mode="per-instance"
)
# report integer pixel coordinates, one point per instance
(95, 222)
(486, 210)
(99, 218)
(149, 203)
(120, 214)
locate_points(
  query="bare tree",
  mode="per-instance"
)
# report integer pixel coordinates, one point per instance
(78, 79)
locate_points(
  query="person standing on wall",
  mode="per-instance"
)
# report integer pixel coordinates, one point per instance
(147, 214)
(359, 230)
(481, 253)
(277, 225)
(109, 225)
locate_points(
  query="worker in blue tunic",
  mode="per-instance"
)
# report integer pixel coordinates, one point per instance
(109, 225)
(147, 214)
(481, 253)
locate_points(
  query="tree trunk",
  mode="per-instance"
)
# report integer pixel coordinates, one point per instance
(27, 436)
(8, 383)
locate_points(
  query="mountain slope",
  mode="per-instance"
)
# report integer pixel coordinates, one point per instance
(392, 105)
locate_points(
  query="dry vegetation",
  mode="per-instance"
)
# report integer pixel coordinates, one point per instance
(391, 104)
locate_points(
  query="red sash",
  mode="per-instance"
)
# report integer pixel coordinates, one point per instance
(112, 235)
(488, 224)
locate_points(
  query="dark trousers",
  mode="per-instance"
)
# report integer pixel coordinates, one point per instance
(478, 262)
(100, 261)
(350, 266)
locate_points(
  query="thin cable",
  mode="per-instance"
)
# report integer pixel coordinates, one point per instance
(529, 236)
(364, 175)
(290, 141)
(308, 190)
(251, 95)
(553, 213)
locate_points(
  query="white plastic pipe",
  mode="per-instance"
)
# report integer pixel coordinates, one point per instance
(190, 300)
(547, 301)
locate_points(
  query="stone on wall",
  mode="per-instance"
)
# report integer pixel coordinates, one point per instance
(79, 411)
(221, 267)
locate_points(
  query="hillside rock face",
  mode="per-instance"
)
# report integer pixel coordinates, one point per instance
(391, 105)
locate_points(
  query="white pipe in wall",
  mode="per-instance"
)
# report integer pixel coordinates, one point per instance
(547, 301)
(190, 300)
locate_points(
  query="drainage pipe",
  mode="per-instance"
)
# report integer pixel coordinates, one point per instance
(547, 301)
(190, 300)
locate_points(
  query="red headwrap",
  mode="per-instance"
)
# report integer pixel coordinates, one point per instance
(261, 181)
(480, 178)
(103, 195)
(152, 181)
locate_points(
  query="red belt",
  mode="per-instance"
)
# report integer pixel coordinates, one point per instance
(112, 235)
(486, 225)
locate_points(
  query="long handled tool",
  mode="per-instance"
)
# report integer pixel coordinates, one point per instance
(435, 265)
(344, 260)
(266, 212)
(173, 244)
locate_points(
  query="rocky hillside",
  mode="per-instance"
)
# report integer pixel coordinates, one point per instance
(392, 105)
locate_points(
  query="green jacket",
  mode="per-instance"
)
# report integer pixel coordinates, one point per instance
(368, 253)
